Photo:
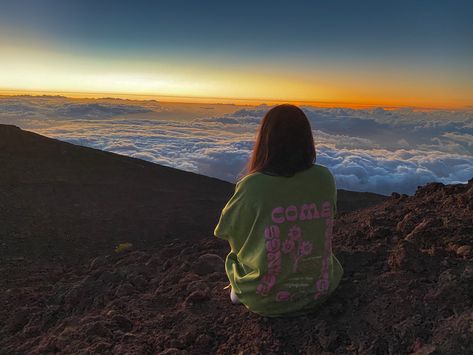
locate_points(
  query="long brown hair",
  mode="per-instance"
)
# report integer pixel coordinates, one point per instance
(284, 143)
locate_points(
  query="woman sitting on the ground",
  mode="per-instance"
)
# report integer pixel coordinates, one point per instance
(279, 222)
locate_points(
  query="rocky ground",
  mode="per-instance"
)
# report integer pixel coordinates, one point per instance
(407, 288)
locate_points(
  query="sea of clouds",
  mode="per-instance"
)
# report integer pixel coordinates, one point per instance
(373, 150)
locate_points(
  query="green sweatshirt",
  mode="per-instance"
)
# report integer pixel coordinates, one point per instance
(280, 233)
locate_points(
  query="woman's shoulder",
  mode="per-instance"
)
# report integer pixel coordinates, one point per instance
(322, 169)
(250, 180)
(323, 173)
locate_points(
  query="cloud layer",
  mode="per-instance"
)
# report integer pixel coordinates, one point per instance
(368, 150)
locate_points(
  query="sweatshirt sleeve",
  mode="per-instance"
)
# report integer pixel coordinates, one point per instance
(232, 217)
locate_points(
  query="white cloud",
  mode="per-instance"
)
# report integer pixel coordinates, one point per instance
(401, 170)
(367, 150)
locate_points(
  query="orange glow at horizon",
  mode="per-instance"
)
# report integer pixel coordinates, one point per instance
(389, 105)
(36, 71)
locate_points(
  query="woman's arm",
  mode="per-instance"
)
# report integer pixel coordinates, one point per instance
(230, 217)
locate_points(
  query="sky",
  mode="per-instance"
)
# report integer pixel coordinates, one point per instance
(415, 53)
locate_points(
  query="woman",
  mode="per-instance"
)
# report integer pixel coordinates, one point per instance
(279, 222)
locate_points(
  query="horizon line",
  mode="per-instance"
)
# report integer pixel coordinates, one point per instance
(219, 100)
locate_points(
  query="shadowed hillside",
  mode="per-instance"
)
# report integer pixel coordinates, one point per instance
(59, 200)
(408, 261)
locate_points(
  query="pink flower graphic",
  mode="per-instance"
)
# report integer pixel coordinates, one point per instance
(266, 284)
(295, 233)
(295, 246)
(322, 285)
(273, 245)
(271, 232)
(269, 279)
(288, 246)
(305, 248)
(262, 289)
(283, 296)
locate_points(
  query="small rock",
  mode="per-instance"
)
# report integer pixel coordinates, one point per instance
(424, 229)
(464, 250)
(467, 273)
(189, 277)
(208, 263)
(153, 262)
(407, 224)
(139, 282)
(101, 347)
(175, 343)
(167, 264)
(129, 337)
(187, 338)
(110, 278)
(425, 350)
(379, 232)
(124, 289)
(31, 330)
(406, 256)
(375, 221)
(171, 351)
(327, 337)
(133, 270)
(447, 277)
(98, 329)
(123, 323)
(217, 276)
(155, 281)
(203, 340)
(395, 195)
(20, 319)
(197, 286)
(185, 267)
(98, 262)
(139, 256)
(111, 313)
(196, 296)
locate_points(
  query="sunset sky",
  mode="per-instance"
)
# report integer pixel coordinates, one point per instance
(336, 53)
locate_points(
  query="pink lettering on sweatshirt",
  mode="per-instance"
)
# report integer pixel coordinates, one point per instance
(294, 246)
(273, 254)
(322, 284)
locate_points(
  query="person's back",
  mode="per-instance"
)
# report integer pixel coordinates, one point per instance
(280, 231)
(279, 227)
